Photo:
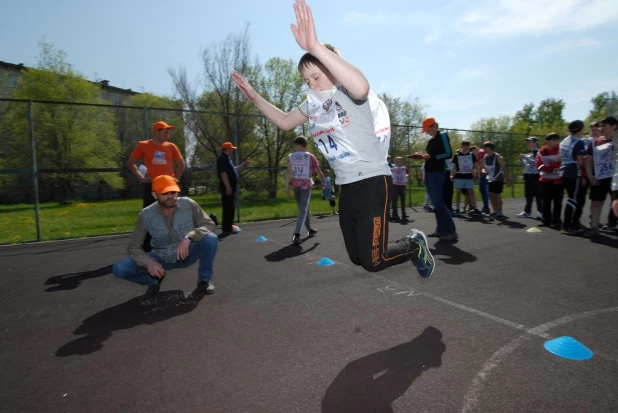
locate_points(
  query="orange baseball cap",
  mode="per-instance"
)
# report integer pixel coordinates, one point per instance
(228, 145)
(164, 183)
(427, 123)
(161, 125)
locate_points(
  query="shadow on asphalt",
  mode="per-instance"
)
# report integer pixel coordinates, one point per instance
(289, 251)
(97, 328)
(372, 383)
(455, 255)
(73, 280)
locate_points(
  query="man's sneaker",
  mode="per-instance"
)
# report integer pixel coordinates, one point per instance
(296, 239)
(434, 235)
(500, 216)
(312, 232)
(524, 214)
(486, 210)
(426, 207)
(150, 298)
(449, 237)
(456, 213)
(476, 213)
(539, 216)
(424, 262)
(206, 287)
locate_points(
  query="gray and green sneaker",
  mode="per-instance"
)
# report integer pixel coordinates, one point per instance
(424, 262)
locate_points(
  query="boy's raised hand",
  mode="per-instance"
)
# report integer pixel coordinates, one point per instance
(304, 29)
(245, 87)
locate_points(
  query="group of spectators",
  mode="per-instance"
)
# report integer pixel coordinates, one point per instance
(573, 165)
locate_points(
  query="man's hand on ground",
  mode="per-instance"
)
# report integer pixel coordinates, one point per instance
(155, 269)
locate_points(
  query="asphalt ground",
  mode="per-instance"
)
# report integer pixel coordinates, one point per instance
(282, 334)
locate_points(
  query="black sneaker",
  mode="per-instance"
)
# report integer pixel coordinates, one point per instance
(296, 239)
(312, 232)
(150, 298)
(206, 287)
(486, 210)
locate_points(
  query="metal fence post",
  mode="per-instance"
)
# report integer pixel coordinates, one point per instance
(512, 167)
(235, 138)
(145, 123)
(35, 173)
(409, 166)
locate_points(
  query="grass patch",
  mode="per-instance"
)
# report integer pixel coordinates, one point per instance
(83, 219)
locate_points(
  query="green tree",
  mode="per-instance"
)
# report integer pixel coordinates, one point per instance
(68, 136)
(218, 111)
(604, 104)
(279, 82)
(549, 114)
(495, 129)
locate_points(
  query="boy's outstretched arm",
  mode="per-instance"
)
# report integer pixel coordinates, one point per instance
(283, 120)
(304, 32)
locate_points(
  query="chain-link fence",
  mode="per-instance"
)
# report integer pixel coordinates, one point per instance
(63, 174)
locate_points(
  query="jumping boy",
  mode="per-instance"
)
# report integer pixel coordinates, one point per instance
(342, 114)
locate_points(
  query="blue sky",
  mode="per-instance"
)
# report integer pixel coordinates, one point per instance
(462, 59)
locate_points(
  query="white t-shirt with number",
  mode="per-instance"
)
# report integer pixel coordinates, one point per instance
(344, 131)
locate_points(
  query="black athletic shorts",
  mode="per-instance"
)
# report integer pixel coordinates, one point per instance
(495, 187)
(599, 192)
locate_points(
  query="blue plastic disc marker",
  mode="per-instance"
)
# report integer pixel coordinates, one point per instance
(261, 239)
(325, 262)
(569, 348)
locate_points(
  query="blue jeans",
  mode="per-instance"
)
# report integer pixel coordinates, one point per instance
(483, 189)
(434, 184)
(204, 250)
(303, 197)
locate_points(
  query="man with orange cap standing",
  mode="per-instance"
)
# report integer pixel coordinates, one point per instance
(438, 153)
(158, 156)
(228, 182)
(181, 235)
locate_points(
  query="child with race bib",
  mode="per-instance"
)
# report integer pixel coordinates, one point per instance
(400, 179)
(329, 191)
(301, 165)
(350, 126)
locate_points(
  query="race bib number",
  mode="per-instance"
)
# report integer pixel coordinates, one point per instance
(529, 164)
(465, 164)
(301, 165)
(603, 160)
(327, 131)
(399, 175)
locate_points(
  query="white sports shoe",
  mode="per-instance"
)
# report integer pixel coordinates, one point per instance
(524, 214)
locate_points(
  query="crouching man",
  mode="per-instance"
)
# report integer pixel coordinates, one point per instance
(180, 236)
